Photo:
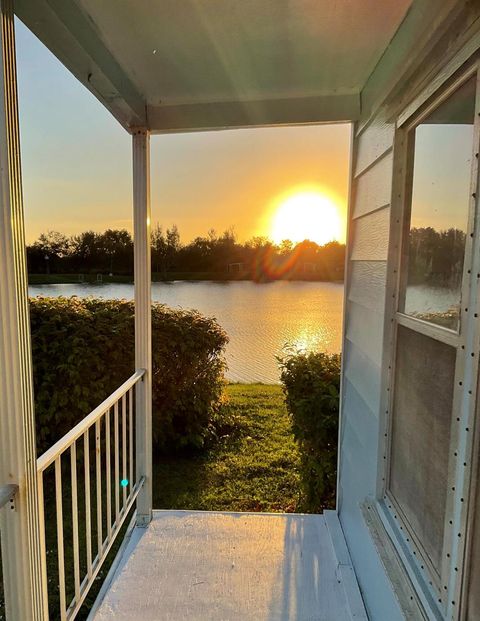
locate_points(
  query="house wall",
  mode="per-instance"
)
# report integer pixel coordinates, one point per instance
(371, 250)
(365, 290)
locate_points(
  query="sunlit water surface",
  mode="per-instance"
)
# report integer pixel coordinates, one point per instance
(260, 319)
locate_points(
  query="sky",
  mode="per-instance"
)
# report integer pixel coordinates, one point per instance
(77, 175)
(443, 155)
(441, 182)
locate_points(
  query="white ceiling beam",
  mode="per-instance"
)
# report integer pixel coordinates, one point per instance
(237, 114)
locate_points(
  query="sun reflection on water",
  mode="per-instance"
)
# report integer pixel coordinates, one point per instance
(309, 339)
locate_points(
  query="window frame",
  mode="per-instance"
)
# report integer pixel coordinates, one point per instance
(441, 590)
(439, 332)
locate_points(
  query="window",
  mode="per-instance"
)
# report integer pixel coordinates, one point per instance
(424, 375)
(431, 320)
(442, 147)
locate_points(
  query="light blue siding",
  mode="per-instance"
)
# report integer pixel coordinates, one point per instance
(364, 374)
(370, 236)
(363, 327)
(367, 284)
(357, 424)
(358, 468)
(363, 361)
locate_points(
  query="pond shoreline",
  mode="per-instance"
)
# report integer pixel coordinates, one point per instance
(71, 279)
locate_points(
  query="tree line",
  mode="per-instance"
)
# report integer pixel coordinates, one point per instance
(219, 255)
(436, 256)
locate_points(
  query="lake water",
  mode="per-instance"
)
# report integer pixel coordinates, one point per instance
(260, 319)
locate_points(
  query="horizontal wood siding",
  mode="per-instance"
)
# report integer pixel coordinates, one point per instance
(375, 140)
(367, 284)
(373, 187)
(370, 236)
(364, 328)
(364, 374)
(356, 474)
(358, 424)
(362, 358)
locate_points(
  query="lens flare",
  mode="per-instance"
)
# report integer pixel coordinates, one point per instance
(306, 214)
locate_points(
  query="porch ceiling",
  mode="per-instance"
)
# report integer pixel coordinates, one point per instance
(196, 64)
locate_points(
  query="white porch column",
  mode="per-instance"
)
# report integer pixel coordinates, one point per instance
(23, 562)
(143, 319)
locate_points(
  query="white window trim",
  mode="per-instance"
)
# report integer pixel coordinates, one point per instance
(443, 599)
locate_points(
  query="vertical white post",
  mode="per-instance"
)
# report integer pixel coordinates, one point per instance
(23, 558)
(143, 320)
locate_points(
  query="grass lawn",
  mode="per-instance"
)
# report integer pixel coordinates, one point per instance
(256, 468)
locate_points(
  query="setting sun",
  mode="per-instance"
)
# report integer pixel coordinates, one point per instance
(306, 214)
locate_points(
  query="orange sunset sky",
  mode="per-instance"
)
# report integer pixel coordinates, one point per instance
(77, 165)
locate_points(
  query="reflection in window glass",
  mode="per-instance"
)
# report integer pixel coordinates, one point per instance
(443, 146)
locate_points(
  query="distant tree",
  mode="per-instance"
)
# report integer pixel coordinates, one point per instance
(51, 248)
(165, 248)
(259, 241)
(285, 247)
(331, 261)
(158, 247)
(436, 256)
(117, 247)
(54, 244)
(86, 252)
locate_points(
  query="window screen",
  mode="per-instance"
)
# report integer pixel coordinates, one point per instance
(422, 412)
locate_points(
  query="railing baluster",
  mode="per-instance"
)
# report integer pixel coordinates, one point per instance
(123, 397)
(98, 463)
(88, 515)
(109, 473)
(117, 466)
(76, 553)
(124, 449)
(43, 547)
(60, 546)
(130, 431)
(62, 445)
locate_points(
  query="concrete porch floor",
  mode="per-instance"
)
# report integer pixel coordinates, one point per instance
(227, 566)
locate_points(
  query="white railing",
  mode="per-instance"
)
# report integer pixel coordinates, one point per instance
(110, 503)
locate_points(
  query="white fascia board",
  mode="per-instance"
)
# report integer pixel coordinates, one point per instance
(260, 113)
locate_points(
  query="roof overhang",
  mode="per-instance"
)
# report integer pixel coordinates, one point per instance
(214, 64)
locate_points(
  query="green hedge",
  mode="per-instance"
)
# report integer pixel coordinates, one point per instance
(311, 383)
(83, 349)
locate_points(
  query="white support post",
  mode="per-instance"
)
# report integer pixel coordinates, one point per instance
(23, 554)
(143, 320)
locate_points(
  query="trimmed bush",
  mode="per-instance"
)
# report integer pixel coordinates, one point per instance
(311, 383)
(83, 349)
